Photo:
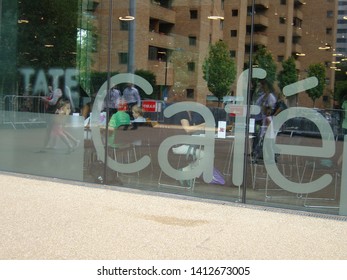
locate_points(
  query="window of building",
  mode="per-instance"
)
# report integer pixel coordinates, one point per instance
(191, 66)
(329, 31)
(280, 58)
(123, 58)
(282, 20)
(152, 53)
(234, 13)
(232, 53)
(222, 4)
(297, 22)
(330, 14)
(233, 33)
(190, 93)
(193, 14)
(192, 40)
(124, 25)
(283, 2)
(281, 39)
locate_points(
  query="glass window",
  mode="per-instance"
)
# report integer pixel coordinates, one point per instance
(190, 93)
(330, 14)
(193, 14)
(281, 39)
(124, 25)
(58, 56)
(192, 40)
(280, 58)
(191, 66)
(234, 12)
(123, 58)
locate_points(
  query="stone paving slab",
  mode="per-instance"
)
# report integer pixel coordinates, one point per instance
(48, 219)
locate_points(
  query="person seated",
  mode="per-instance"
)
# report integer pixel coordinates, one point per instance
(121, 118)
(138, 116)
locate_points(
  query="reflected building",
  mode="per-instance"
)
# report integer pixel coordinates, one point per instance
(172, 38)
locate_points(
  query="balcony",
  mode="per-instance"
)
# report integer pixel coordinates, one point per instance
(296, 48)
(298, 3)
(298, 14)
(161, 40)
(260, 3)
(159, 12)
(258, 39)
(297, 32)
(259, 20)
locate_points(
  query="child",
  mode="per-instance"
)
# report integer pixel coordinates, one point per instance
(138, 116)
(58, 131)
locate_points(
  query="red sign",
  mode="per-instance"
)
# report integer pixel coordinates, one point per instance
(149, 106)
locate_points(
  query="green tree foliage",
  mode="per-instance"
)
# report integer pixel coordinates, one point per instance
(49, 23)
(8, 46)
(316, 70)
(150, 77)
(288, 74)
(263, 59)
(340, 91)
(98, 78)
(219, 70)
(341, 83)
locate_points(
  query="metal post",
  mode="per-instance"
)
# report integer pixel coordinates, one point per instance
(249, 85)
(109, 59)
(131, 37)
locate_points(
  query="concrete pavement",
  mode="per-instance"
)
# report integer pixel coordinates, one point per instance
(54, 219)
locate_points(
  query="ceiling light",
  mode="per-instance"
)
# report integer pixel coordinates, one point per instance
(215, 17)
(300, 54)
(126, 18)
(325, 48)
(23, 21)
(49, 46)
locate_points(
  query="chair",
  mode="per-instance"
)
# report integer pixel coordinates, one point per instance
(327, 165)
(121, 151)
(190, 156)
(289, 165)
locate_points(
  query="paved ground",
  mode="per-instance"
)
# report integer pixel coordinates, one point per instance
(51, 219)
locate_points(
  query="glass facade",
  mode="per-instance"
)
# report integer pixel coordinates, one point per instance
(229, 100)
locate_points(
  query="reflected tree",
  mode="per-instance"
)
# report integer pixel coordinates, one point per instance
(316, 70)
(219, 70)
(47, 33)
